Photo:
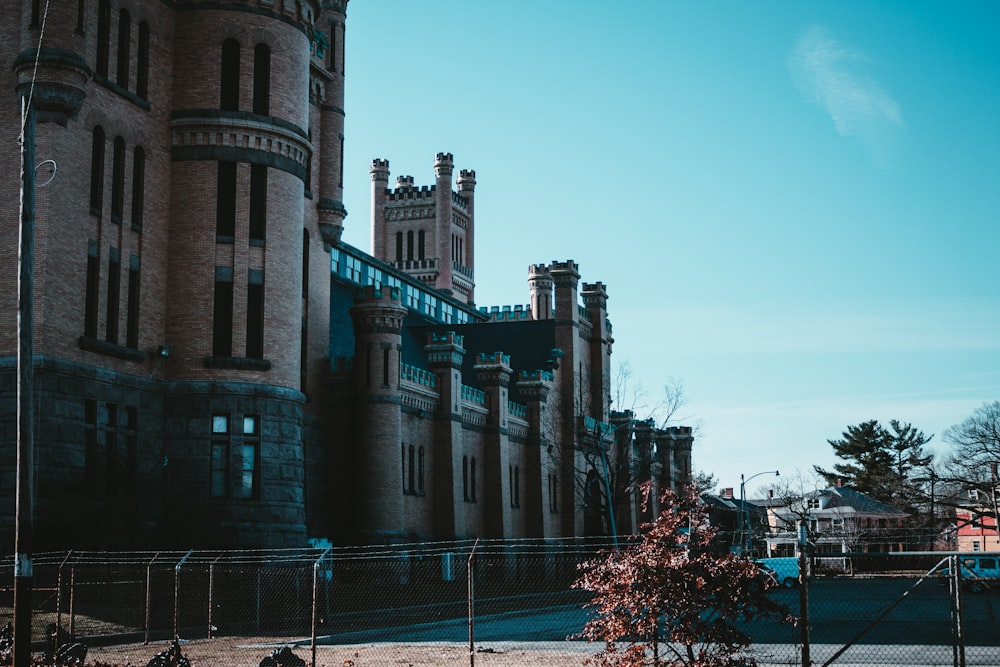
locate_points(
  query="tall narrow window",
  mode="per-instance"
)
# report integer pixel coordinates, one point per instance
(258, 203)
(472, 479)
(219, 480)
(225, 202)
(35, 13)
(142, 62)
(103, 36)
(420, 470)
(409, 245)
(97, 171)
(262, 79)
(222, 315)
(92, 297)
(138, 186)
(255, 315)
(118, 180)
(229, 86)
(331, 54)
(420, 245)
(132, 307)
(250, 458)
(124, 47)
(399, 246)
(465, 478)
(340, 173)
(114, 284)
(81, 16)
(411, 484)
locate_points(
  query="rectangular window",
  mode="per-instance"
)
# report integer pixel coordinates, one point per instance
(142, 62)
(262, 79)
(250, 458)
(219, 481)
(222, 316)
(255, 315)
(124, 48)
(130, 443)
(114, 284)
(258, 203)
(92, 298)
(118, 180)
(132, 312)
(225, 206)
(353, 265)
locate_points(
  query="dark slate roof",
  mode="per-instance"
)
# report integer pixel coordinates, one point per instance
(859, 502)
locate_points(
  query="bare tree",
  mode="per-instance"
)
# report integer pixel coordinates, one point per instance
(976, 454)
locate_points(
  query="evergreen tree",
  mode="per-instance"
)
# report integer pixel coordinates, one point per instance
(881, 462)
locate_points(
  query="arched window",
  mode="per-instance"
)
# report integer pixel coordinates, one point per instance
(97, 171)
(138, 186)
(103, 36)
(229, 85)
(118, 180)
(142, 62)
(262, 79)
(124, 47)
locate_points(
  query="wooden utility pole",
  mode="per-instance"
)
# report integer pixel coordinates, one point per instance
(23, 569)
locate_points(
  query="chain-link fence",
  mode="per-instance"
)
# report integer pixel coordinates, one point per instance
(470, 603)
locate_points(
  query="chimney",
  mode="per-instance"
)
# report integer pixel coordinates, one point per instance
(727, 493)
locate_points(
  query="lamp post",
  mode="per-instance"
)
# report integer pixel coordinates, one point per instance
(745, 541)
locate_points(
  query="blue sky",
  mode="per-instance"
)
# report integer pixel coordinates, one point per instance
(795, 206)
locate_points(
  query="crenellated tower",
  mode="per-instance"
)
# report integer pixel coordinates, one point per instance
(427, 231)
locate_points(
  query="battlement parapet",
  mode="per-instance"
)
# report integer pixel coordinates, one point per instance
(504, 313)
(410, 192)
(467, 180)
(417, 375)
(473, 395)
(493, 358)
(569, 266)
(460, 201)
(379, 170)
(446, 338)
(597, 289)
(537, 376)
(444, 158)
(404, 182)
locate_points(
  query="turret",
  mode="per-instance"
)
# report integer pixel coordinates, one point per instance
(378, 325)
(328, 48)
(467, 191)
(444, 165)
(540, 287)
(379, 172)
(595, 300)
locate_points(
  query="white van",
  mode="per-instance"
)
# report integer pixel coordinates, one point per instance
(785, 570)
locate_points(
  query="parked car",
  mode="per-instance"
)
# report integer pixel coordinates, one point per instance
(978, 573)
(785, 570)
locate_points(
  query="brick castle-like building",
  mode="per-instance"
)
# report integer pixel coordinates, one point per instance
(215, 368)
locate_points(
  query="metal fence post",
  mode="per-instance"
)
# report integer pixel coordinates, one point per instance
(472, 604)
(59, 589)
(957, 630)
(211, 588)
(315, 600)
(149, 577)
(177, 591)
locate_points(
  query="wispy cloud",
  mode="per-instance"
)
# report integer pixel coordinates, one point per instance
(832, 74)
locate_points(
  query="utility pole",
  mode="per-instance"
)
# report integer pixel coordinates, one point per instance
(23, 569)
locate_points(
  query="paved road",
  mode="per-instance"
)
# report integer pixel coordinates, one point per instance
(917, 631)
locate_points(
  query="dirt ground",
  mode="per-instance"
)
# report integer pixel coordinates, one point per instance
(249, 653)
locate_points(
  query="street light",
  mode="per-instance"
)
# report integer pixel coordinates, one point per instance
(744, 514)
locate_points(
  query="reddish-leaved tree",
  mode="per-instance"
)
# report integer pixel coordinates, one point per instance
(666, 593)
